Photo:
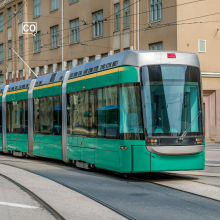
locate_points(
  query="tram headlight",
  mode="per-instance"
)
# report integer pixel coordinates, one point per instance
(199, 141)
(152, 141)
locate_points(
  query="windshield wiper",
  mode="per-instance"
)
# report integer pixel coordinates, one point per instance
(187, 129)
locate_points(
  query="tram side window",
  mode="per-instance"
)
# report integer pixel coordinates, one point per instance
(48, 115)
(57, 114)
(36, 116)
(17, 117)
(81, 118)
(108, 109)
(0, 117)
(131, 124)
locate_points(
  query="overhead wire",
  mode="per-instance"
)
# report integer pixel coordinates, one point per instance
(82, 43)
(143, 29)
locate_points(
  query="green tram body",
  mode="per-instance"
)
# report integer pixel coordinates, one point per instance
(105, 153)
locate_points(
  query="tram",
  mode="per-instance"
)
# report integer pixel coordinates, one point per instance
(133, 112)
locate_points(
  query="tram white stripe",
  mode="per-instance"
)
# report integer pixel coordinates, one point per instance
(18, 205)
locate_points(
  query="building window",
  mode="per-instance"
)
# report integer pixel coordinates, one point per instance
(92, 58)
(36, 8)
(41, 70)
(1, 53)
(104, 55)
(37, 43)
(80, 61)
(126, 14)
(117, 51)
(74, 31)
(155, 10)
(9, 18)
(202, 46)
(98, 26)
(157, 46)
(9, 50)
(1, 79)
(54, 37)
(50, 67)
(21, 46)
(73, 1)
(20, 6)
(117, 17)
(54, 5)
(10, 77)
(21, 74)
(59, 66)
(69, 64)
(1, 22)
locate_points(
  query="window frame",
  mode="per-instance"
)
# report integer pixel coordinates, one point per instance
(37, 8)
(74, 31)
(1, 21)
(21, 46)
(37, 42)
(126, 14)
(9, 17)
(156, 44)
(9, 50)
(54, 5)
(73, 1)
(98, 26)
(199, 48)
(54, 34)
(152, 12)
(1, 53)
(117, 16)
(20, 8)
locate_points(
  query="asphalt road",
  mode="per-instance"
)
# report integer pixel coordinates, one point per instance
(138, 199)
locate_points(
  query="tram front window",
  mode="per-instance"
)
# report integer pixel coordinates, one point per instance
(172, 96)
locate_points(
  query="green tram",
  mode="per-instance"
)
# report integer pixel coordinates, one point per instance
(136, 111)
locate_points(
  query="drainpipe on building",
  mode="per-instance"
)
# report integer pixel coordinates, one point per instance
(138, 25)
(63, 68)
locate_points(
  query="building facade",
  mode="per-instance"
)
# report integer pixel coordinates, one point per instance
(89, 30)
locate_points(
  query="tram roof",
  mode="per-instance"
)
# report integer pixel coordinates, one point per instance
(136, 58)
(24, 84)
(50, 78)
(2, 88)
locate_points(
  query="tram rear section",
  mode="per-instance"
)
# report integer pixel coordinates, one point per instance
(136, 111)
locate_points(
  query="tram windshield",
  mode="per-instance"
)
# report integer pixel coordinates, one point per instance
(172, 98)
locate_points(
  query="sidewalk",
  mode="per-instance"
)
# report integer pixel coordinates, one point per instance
(68, 203)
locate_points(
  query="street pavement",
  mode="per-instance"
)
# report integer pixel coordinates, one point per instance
(17, 204)
(164, 195)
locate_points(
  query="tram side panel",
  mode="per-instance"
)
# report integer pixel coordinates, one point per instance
(96, 140)
(1, 120)
(17, 121)
(47, 139)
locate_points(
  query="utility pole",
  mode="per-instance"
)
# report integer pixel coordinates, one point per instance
(25, 63)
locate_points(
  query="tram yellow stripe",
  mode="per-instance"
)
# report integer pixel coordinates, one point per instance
(18, 91)
(1, 94)
(48, 86)
(97, 74)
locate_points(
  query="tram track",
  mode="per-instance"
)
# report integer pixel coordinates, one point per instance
(52, 211)
(48, 207)
(112, 175)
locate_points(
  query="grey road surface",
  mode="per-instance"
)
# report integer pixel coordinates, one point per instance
(138, 199)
